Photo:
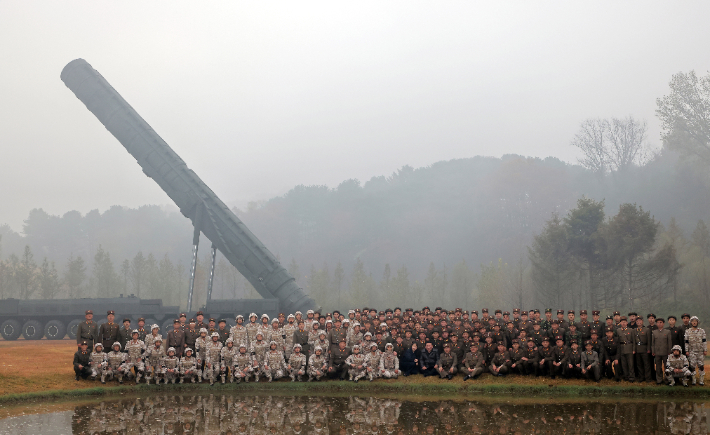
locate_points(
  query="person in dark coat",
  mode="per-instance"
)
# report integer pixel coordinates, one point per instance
(81, 361)
(428, 359)
(410, 361)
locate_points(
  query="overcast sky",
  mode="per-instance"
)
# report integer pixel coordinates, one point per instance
(258, 97)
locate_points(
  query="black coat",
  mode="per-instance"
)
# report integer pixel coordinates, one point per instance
(428, 359)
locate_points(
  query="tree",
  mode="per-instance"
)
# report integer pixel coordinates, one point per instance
(551, 263)
(74, 276)
(591, 139)
(585, 244)
(400, 286)
(685, 116)
(462, 282)
(138, 273)
(701, 242)
(125, 272)
(431, 281)
(105, 277)
(48, 280)
(294, 270)
(25, 273)
(492, 288)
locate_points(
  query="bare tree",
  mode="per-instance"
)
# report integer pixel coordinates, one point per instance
(591, 139)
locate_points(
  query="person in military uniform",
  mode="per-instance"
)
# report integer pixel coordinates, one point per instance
(227, 360)
(87, 331)
(546, 324)
(170, 365)
(336, 361)
(135, 349)
(191, 335)
(150, 338)
(108, 332)
(500, 361)
(97, 363)
(696, 349)
(276, 335)
(252, 328)
(473, 363)
(288, 330)
(142, 331)
(223, 332)
(176, 338)
(559, 357)
(274, 362)
(337, 335)
(446, 365)
(677, 366)
(213, 355)
(583, 326)
(389, 363)
(573, 362)
(317, 365)
(573, 335)
(82, 358)
(356, 364)
(188, 366)
(244, 364)
(530, 361)
(300, 337)
(516, 355)
(677, 333)
(238, 333)
(661, 345)
(153, 358)
(642, 339)
(259, 349)
(115, 360)
(590, 362)
(610, 355)
(627, 348)
(297, 363)
(125, 333)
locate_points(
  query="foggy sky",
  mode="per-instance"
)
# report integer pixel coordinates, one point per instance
(258, 97)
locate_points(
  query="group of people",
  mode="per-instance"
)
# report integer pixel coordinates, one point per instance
(367, 344)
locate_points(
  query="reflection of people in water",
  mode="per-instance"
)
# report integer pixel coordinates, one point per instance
(235, 414)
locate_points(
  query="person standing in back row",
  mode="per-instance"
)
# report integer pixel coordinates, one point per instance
(87, 331)
(108, 332)
(661, 345)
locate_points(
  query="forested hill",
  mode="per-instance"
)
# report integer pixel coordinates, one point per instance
(478, 209)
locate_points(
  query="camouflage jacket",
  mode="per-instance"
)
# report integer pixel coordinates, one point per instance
(389, 361)
(187, 364)
(297, 361)
(115, 359)
(213, 352)
(227, 356)
(135, 350)
(695, 340)
(153, 356)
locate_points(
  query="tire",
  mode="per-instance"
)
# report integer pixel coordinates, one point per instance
(32, 330)
(10, 329)
(72, 328)
(55, 330)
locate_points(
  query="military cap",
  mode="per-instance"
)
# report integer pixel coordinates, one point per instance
(616, 313)
(84, 343)
(571, 325)
(192, 321)
(474, 312)
(673, 317)
(545, 338)
(127, 320)
(559, 337)
(594, 331)
(570, 312)
(610, 317)
(685, 315)
(199, 313)
(660, 319)
(88, 312)
(437, 309)
(472, 344)
(485, 310)
(535, 310)
(517, 310)
(587, 343)
(506, 313)
(509, 322)
(445, 345)
(536, 322)
(583, 312)
(596, 313)
(141, 319)
(623, 319)
(498, 311)
(555, 322)
(548, 310)
(523, 313)
(515, 340)
(212, 319)
(183, 315)
(110, 312)
(458, 310)
(176, 321)
(560, 311)
(501, 343)
(651, 315)
(222, 321)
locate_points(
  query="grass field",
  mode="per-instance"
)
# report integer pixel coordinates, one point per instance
(36, 369)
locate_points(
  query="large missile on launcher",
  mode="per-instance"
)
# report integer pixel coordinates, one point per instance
(196, 201)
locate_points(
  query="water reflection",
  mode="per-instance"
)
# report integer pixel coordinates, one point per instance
(239, 414)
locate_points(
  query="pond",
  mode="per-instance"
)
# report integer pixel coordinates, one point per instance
(227, 413)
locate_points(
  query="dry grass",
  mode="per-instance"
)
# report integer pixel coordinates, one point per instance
(43, 366)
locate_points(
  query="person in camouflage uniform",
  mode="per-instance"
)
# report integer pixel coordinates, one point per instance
(287, 331)
(677, 366)
(354, 336)
(696, 349)
(372, 362)
(276, 335)
(259, 349)
(97, 362)
(389, 363)
(150, 338)
(356, 364)
(313, 333)
(322, 341)
(188, 366)
(317, 364)
(135, 349)
(274, 363)
(473, 363)
(170, 366)
(153, 357)
(227, 360)
(252, 328)
(296, 363)
(213, 355)
(115, 360)
(264, 326)
(244, 364)
(239, 333)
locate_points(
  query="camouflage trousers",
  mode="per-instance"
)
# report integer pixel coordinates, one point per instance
(296, 373)
(153, 372)
(211, 372)
(696, 359)
(391, 374)
(356, 374)
(273, 374)
(171, 375)
(244, 374)
(190, 375)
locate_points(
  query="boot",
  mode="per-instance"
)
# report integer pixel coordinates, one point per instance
(147, 380)
(694, 378)
(103, 379)
(231, 379)
(257, 378)
(300, 378)
(192, 378)
(685, 382)
(173, 381)
(199, 378)
(293, 378)
(351, 377)
(224, 378)
(465, 378)
(182, 380)
(671, 381)
(701, 381)
(310, 378)
(120, 379)
(138, 377)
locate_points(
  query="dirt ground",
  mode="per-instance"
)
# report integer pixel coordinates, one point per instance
(41, 365)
